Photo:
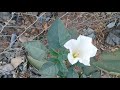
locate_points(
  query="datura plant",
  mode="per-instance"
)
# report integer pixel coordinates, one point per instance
(80, 50)
(69, 55)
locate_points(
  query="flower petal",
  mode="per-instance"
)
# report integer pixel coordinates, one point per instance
(93, 51)
(84, 39)
(86, 47)
(71, 44)
(83, 45)
(85, 60)
(88, 50)
(71, 59)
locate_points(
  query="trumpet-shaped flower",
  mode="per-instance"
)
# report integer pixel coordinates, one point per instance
(80, 50)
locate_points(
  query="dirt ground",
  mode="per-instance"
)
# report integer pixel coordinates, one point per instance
(19, 26)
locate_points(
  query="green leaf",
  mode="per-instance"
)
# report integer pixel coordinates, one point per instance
(79, 64)
(36, 49)
(35, 63)
(62, 57)
(49, 69)
(73, 33)
(62, 67)
(83, 76)
(110, 66)
(110, 62)
(62, 75)
(63, 53)
(110, 55)
(96, 75)
(72, 74)
(54, 60)
(57, 35)
(88, 70)
(53, 52)
(60, 64)
(46, 76)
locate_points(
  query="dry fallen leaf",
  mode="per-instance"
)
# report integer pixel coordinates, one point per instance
(17, 61)
(5, 44)
(23, 39)
(45, 26)
(114, 49)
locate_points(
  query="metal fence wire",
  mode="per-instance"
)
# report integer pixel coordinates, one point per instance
(32, 24)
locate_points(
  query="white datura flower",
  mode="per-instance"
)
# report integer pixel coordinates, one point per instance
(80, 50)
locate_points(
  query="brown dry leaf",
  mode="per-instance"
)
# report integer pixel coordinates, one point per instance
(114, 49)
(23, 39)
(45, 26)
(17, 61)
(34, 31)
(5, 44)
(105, 75)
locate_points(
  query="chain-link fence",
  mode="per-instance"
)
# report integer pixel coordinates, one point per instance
(17, 27)
(33, 24)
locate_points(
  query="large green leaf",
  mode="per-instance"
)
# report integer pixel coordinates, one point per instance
(54, 60)
(110, 55)
(36, 49)
(72, 74)
(46, 76)
(96, 74)
(110, 62)
(35, 63)
(88, 70)
(110, 66)
(53, 53)
(62, 75)
(60, 64)
(62, 67)
(81, 65)
(49, 69)
(57, 35)
(73, 33)
(62, 57)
